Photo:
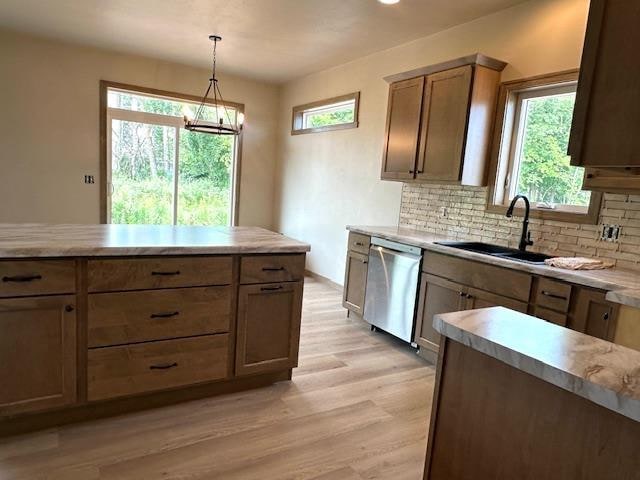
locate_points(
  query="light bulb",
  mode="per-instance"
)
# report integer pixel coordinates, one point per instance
(389, 2)
(240, 118)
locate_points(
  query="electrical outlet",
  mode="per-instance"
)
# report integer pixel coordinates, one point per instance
(89, 179)
(610, 233)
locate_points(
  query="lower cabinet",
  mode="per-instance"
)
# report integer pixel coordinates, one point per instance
(37, 353)
(268, 328)
(355, 282)
(593, 315)
(438, 295)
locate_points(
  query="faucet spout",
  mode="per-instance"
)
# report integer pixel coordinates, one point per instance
(525, 237)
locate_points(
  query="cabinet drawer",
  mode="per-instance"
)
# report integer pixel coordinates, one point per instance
(37, 277)
(128, 370)
(271, 268)
(502, 281)
(359, 243)
(108, 275)
(553, 295)
(130, 317)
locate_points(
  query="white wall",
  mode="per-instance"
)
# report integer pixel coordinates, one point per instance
(49, 127)
(328, 180)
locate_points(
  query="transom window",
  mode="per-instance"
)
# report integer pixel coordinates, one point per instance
(159, 173)
(531, 158)
(331, 114)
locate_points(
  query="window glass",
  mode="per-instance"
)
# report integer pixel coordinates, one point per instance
(335, 114)
(541, 168)
(161, 173)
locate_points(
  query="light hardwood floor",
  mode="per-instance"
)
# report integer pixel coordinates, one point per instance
(357, 408)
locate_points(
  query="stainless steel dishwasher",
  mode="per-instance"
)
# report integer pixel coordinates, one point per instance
(392, 286)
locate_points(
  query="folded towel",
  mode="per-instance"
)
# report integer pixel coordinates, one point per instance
(578, 263)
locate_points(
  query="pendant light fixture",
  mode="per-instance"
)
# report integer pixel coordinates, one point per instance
(225, 123)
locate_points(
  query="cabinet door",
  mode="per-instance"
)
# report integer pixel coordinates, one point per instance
(436, 296)
(607, 110)
(355, 282)
(444, 123)
(475, 298)
(37, 353)
(268, 327)
(403, 129)
(592, 314)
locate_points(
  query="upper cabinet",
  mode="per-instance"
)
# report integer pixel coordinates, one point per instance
(607, 111)
(439, 122)
(403, 129)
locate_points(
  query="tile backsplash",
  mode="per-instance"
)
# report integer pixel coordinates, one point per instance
(459, 212)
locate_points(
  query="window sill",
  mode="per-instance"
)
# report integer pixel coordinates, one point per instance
(328, 128)
(589, 218)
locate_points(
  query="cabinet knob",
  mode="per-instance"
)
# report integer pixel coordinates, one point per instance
(605, 317)
(69, 308)
(469, 296)
(461, 294)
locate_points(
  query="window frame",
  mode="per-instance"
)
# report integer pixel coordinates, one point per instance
(299, 111)
(504, 147)
(105, 122)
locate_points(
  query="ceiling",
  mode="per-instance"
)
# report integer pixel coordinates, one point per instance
(271, 40)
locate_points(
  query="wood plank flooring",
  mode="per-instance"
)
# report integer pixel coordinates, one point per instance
(357, 408)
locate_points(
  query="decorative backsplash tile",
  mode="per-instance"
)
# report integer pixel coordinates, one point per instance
(459, 212)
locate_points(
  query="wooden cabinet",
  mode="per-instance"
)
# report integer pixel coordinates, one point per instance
(268, 329)
(607, 111)
(444, 120)
(593, 315)
(439, 123)
(403, 129)
(355, 282)
(437, 295)
(37, 353)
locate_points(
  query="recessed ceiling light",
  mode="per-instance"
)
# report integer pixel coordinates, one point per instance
(389, 2)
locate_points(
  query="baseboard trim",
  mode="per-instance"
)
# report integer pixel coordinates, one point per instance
(325, 280)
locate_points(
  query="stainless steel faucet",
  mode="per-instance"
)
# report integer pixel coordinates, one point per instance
(525, 237)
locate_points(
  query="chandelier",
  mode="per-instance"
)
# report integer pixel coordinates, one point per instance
(226, 123)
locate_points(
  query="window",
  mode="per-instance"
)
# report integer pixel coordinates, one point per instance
(531, 159)
(332, 114)
(155, 171)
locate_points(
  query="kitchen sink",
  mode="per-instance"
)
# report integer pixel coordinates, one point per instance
(498, 251)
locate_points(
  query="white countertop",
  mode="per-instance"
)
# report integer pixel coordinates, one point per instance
(602, 372)
(623, 286)
(43, 240)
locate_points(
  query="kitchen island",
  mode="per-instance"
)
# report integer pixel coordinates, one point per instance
(100, 319)
(520, 398)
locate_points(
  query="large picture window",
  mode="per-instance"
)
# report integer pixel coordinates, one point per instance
(530, 150)
(156, 172)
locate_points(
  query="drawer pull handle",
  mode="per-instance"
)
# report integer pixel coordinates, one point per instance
(273, 269)
(271, 289)
(359, 244)
(22, 278)
(553, 295)
(163, 366)
(165, 274)
(164, 315)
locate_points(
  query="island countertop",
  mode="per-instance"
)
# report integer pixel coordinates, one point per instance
(45, 240)
(602, 372)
